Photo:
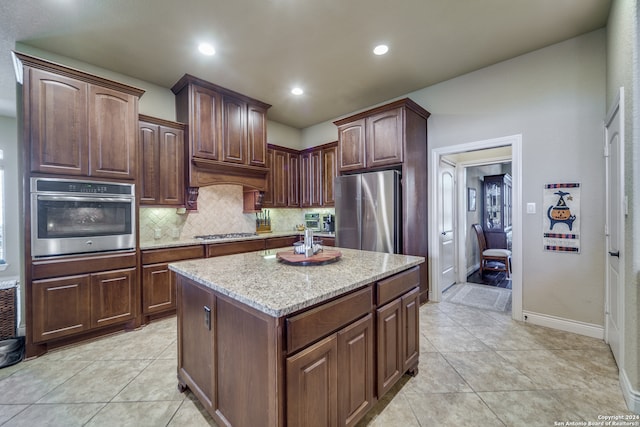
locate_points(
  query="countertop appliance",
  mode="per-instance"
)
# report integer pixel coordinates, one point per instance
(328, 223)
(72, 217)
(368, 211)
(312, 221)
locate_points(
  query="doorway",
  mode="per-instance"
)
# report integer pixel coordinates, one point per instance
(499, 150)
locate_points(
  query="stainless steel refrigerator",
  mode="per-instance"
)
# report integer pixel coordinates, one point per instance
(368, 211)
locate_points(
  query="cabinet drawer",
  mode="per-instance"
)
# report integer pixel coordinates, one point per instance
(280, 242)
(390, 288)
(219, 249)
(56, 267)
(311, 325)
(159, 256)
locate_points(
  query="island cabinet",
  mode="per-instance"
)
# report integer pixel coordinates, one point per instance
(73, 297)
(227, 134)
(76, 123)
(316, 366)
(161, 148)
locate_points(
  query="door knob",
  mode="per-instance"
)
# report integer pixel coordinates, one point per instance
(444, 233)
(616, 253)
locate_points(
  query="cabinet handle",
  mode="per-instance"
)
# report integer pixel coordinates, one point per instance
(207, 318)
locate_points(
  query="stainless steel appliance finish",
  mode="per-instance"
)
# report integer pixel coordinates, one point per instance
(328, 222)
(73, 217)
(368, 211)
(312, 221)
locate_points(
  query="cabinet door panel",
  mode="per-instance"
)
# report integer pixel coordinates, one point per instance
(294, 180)
(171, 171)
(280, 179)
(312, 385)
(158, 289)
(112, 133)
(351, 151)
(60, 307)
(196, 356)
(268, 196)
(206, 131)
(385, 138)
(410, 321)
(355, 370)
(149, 184)
(256, 135)
(390, 362)
(305, 180)
(58, 116)
(234, 136)
(112, 297)
(329, 172)
(316, 178)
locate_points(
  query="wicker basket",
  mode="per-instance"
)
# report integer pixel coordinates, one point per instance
(7, 313)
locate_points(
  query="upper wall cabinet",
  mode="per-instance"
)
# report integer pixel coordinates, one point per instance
(376, 138)
(76, 123)
(161, 181)
(227, 135)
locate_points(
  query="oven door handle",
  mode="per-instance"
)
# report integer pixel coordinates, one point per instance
(83, 199)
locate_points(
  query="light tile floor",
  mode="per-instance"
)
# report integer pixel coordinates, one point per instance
(477, 368)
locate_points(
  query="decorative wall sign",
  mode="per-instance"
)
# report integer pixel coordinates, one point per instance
(471, 199)
(561, 220)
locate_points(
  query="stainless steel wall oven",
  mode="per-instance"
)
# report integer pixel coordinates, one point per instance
(73, 217)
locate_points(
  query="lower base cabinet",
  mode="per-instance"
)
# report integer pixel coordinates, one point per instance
(331, 382)
(65, 306)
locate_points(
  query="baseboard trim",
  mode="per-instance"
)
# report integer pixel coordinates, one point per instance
(567, 325)
(631, 396)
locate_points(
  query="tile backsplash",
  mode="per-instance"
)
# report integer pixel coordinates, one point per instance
(219, 211)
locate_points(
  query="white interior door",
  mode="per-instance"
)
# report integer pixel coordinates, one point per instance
(614, 310)
(447, 228)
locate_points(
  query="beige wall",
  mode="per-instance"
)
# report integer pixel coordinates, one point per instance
(623, 70)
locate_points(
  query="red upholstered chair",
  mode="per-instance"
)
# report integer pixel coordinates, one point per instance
(492, 259)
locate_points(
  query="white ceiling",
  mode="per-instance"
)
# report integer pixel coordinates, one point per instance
(265, 47)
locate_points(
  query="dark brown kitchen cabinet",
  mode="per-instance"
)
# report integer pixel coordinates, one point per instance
(161, 181)
(113, 120)
(197, 347)
(294, 180)
(373, 141)
(61, 307)
(204, 115)
(397, 327)
(281, 178)
(227, 139)
(351, 147)
(76, 123)
(268, 195)
(329, 172)
(58, 123)
(68, 305)
(313, 367)
(311, 178)
(393, 136)
(158, 282)
(312, 385)
(113, 298)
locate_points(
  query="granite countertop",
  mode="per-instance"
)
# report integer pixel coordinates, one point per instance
(278, 289)
(169, 242)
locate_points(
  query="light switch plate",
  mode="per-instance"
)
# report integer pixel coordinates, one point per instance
(531, 208)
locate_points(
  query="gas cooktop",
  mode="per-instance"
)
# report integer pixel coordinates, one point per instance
(224, 236)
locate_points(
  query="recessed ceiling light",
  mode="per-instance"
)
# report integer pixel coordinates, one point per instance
(297, 91)
(381, 49)
(206, 49)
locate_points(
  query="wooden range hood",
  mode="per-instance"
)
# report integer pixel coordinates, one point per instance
(226, 136)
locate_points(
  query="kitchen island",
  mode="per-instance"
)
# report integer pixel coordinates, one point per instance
(262, 342)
